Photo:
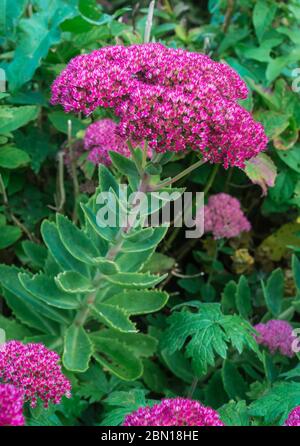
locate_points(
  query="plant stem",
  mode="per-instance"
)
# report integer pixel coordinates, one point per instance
(73, 171)
(83, 313)
(149, 21)
(193, 388)
(182, 174)
(205, 191)
(211, 178)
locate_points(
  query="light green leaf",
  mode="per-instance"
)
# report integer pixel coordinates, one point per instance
(45, 289)
(263, 14)
(12, 158)
(139, 302)
(274, 291)
(61, 255)
(135, 280)
(75, 241)
(113, 316)
(10, 281)
(73, 282)
(117, 358)
(11, 118)
(78, 349)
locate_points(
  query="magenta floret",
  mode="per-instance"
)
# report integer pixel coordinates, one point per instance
(172, 98)
(224, 217)
(277, 336)
(35, 370)
(11, 406)
(174, 412)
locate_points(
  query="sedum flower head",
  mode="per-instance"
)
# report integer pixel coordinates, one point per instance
(224, 217)
(11, 406)
(35, 370)
(172, 98)
(100, 137)
(174, 412)
(276, 335)
(294, 417)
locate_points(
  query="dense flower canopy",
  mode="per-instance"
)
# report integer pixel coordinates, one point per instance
(35, 370)
(174, 412)
(294, 417)
(100, 137)
(223, 217)
(172, 98)
(11, 406)
(277, 336)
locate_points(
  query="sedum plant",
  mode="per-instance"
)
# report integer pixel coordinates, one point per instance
(90, 285)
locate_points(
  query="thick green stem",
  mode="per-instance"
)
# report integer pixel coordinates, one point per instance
(73, 170)
(182, 174)
(84, 312)
(205, 191)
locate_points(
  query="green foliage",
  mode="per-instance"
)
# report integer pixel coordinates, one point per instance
(209, 332)
(136, 315)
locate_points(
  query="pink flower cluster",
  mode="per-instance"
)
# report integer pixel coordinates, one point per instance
(11, 406)
(174, 412)
(294, 417)
(223, 217)
(276, 335)
(100, 137)
(172, 98)
(35, 370)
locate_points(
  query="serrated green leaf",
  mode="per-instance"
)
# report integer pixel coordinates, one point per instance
(106, 267)
(73, 282)
(77, 350)
(59, 252)
(45, 289)
(139, 343)
(275, 405)
(139, 302)
(11, 282)
(113, 316)
(135, 280)
(75, 241)
(235, 414)
(124, 165)
(209, 333)
(115, 357)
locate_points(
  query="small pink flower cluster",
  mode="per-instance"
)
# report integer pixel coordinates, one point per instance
(223, 217)
(276, 335)
(174, 412)
(35, 370)
(172, 98)
(11, 406)
(294, 417)
(100, 137)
